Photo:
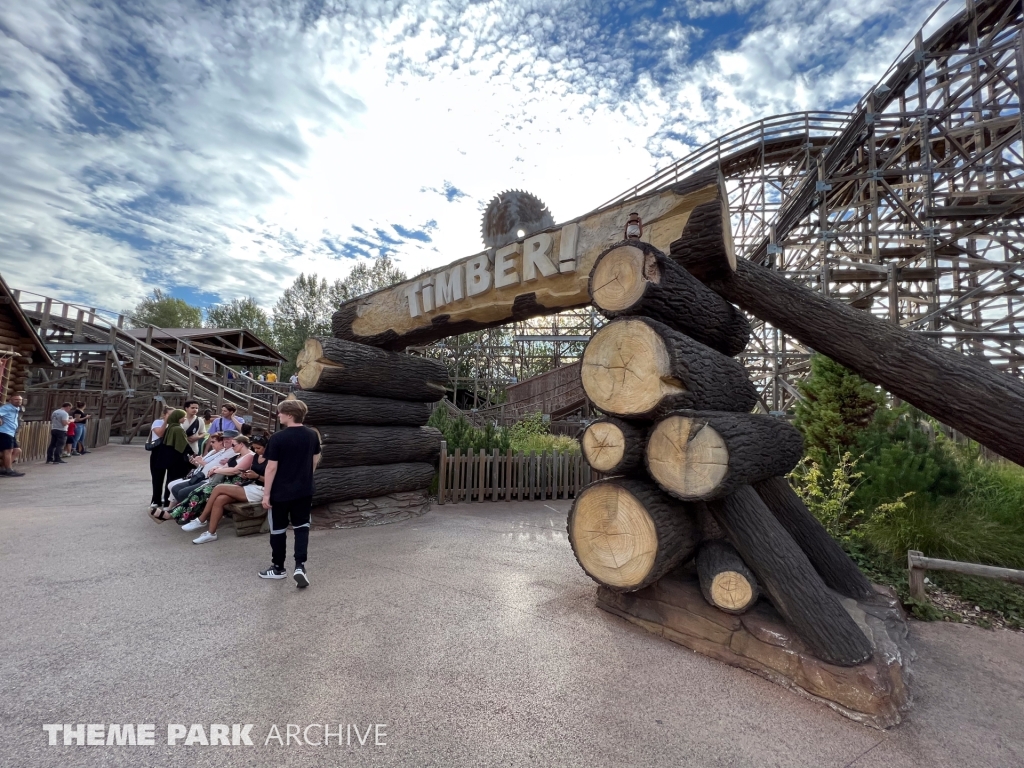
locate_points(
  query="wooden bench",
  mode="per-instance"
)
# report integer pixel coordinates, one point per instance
(250, 519)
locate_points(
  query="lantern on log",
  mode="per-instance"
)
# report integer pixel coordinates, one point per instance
(634, 227)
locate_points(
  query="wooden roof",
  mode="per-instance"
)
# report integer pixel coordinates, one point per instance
(228, 345)
(10, 304)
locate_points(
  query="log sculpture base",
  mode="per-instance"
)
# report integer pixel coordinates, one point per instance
(381, 510)
(875, 693)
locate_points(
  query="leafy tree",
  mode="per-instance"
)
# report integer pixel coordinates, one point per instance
(165, 312)
(303, 310)
(306, 307)
(241, 313)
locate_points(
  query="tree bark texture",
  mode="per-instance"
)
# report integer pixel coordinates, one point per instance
(614, 446)
(836, 568)
(354, 445)
(790, 581)
(706, 242)
(639, 368)
(725, 580)
(700, 455)
(626, 534)
(342, 484)
(330, 408)
(345, 367)
(963, 392)
(633, 279)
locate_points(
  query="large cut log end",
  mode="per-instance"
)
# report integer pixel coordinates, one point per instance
(626, 534)
(620, 277)
(705, 455)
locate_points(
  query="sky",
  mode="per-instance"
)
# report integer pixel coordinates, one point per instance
(215, 150)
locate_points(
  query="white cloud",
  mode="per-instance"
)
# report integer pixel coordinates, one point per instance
(226, 150)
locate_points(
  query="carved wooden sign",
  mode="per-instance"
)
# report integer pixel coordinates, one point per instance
(543, 273)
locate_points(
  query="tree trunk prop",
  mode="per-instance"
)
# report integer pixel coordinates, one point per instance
(836, 568)
(332, 365)
(964, 392)
(347, 483)
(640, 368)
(354, 446)
(790, 581)
(725, 580)
(329, 408)
(695, 455)
(626, 534)
(636, 279)
(614, 447)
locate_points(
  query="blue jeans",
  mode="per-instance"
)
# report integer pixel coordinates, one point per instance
(79, 438)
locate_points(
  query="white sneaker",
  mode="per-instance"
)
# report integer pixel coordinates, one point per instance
(194, 525)
(204, 537)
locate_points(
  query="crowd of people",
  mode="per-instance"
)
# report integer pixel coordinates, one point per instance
(69, 425)
(200, 464)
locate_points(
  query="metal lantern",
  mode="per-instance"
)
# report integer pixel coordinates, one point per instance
(634, 227)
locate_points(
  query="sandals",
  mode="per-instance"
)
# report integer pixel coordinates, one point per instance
(157, 516)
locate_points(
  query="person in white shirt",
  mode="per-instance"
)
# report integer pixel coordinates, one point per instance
(156, 432)
(58, 434)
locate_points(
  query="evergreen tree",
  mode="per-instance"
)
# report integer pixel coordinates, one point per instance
(838, 406)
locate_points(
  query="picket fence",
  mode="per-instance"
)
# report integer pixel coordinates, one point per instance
(34, 438)
(510, 476)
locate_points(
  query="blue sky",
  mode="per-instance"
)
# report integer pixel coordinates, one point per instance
(216, 150)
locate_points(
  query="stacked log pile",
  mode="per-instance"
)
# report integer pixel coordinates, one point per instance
(698, 475)
(370, 407)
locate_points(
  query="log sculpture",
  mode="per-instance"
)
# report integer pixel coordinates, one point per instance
(640, 368)
(836, 568)
(330, 408)
(356, 445)
(697, 455)
(794, 586)
(964, 392)
(626, 534)
(725, 580)
(635, 279)
(332, 365)
(614, 446)
(366, 482)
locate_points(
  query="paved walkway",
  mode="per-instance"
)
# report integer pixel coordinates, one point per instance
(471, 632)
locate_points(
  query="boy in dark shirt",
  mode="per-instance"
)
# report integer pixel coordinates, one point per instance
(292, 455)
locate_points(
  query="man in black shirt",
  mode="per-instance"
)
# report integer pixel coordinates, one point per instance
(292, 455)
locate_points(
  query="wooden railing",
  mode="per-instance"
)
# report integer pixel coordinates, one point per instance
(256, 397)
(510, 476)
(34, 438)
(917, 564)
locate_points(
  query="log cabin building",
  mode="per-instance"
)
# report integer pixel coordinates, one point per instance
(20, 346)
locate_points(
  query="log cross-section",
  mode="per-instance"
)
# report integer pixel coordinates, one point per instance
(614, 446)
(634, 279)
(627, 534)
(640, 368)
(696, 455)
(725, 580)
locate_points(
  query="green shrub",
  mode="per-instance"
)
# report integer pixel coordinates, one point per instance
(529, 434)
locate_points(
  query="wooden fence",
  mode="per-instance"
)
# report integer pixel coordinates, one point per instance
(510, 476)
(34, 438)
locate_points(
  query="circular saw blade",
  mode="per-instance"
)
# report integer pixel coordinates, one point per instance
(512, 212)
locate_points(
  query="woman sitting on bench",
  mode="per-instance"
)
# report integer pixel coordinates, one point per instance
(251, 492)
(229, 474)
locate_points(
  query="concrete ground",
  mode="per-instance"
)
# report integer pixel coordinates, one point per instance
(470, 632)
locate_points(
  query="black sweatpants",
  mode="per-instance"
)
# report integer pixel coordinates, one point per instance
(296, 513)
(58, 437)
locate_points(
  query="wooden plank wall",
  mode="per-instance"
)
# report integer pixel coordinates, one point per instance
(34, 438)
(510, 476)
